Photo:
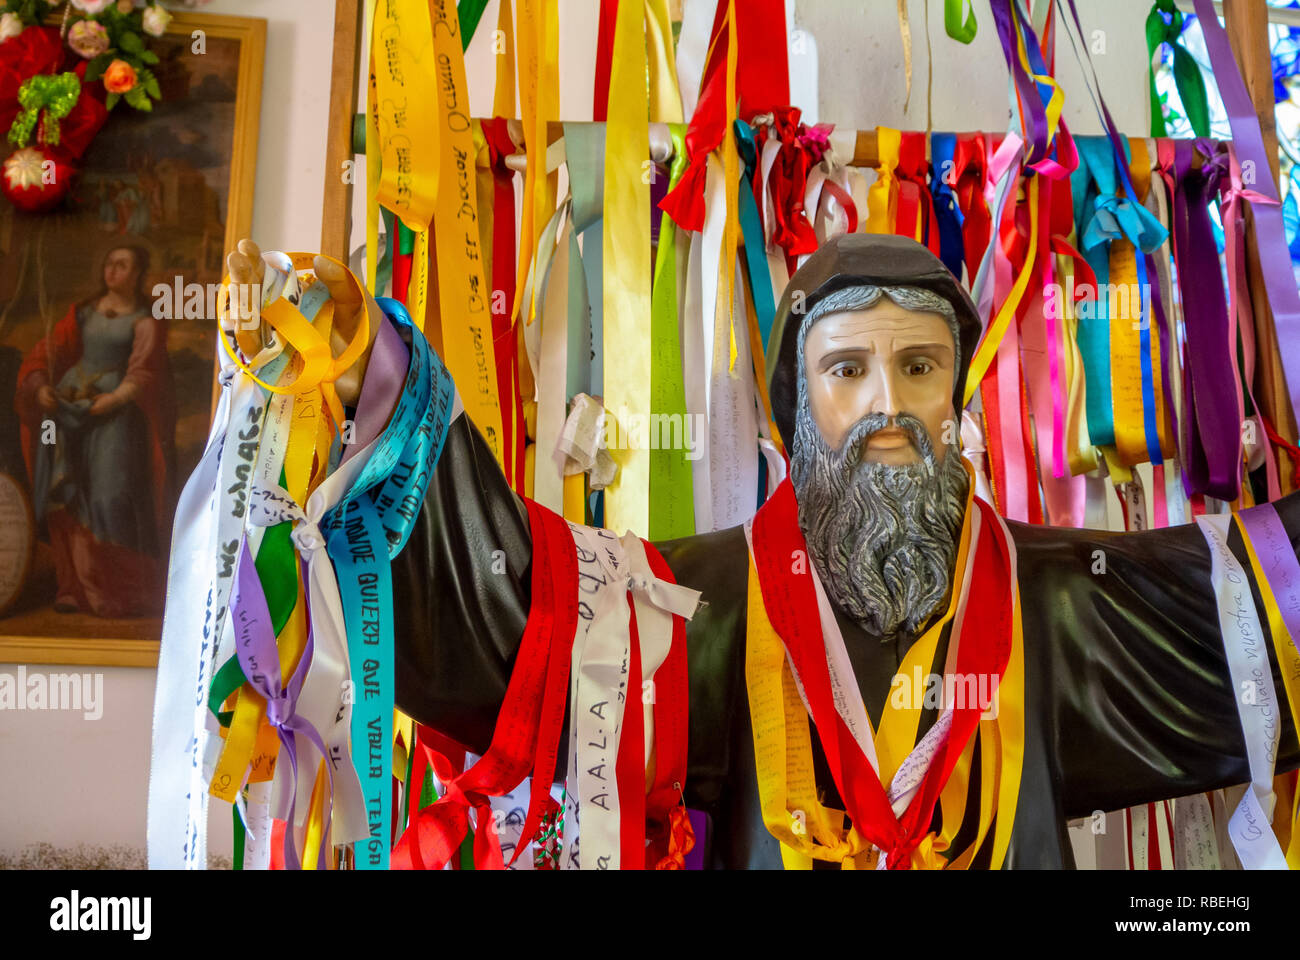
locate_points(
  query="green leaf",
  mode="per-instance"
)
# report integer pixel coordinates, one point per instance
(136, 97)
(95, 69)
(131, 42)
(151, 88)
(111, 100)
(148, 56)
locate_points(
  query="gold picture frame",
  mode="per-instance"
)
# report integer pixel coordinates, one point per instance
(33, 635)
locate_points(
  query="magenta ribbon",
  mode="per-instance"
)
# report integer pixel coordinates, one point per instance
(260, 660)
(1270, 235)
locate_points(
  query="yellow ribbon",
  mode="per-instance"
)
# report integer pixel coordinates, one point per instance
(626, 246)
(503, 99)
(404, 84)
(463, 294)
(882, 196)
(665, 97)
(1288, 660)
(1079, 451)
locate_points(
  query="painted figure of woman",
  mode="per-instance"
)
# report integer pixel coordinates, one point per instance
(98, 424)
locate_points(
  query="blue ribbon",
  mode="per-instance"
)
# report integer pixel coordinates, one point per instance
(943, 152)
(363, 533)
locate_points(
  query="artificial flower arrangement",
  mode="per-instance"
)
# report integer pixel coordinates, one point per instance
(57, 85)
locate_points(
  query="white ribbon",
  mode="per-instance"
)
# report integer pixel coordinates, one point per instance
(1251, 674)
(692, 48)
(207, 531)
(600, 685)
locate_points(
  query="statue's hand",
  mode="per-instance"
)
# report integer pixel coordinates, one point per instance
(245, 265)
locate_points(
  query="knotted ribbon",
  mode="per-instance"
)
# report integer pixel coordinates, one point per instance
(56, 95)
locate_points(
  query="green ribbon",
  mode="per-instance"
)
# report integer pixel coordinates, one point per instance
(56, 95)
(672, 498)
(1187, 72)
(963, 31)
(469, 13)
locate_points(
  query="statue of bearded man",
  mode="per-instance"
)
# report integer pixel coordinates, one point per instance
(1115, 687)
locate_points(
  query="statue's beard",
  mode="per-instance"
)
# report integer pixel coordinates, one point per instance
(883, 537)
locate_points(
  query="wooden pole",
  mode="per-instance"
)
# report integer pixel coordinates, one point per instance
(336, 205)
(1246, 23)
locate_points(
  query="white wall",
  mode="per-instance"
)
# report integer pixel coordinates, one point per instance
(66, 780)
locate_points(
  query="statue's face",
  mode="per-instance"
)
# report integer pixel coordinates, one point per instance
(881, 360)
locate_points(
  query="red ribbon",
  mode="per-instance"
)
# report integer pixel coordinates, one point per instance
(790, 601)
(504, 338)
(915, 201)
(532, 714)
(762, 85)
(604, 58)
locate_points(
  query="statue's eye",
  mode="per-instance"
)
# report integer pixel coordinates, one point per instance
(918, 368)
(847, 370)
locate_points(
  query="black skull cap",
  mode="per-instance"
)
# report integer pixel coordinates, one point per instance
(855, 259)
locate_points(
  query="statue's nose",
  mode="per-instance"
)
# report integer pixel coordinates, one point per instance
(884, 393)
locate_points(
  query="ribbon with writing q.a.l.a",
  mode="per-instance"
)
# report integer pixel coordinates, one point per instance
(363, 532)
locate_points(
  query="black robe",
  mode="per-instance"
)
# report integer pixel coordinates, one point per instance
(1128, 696)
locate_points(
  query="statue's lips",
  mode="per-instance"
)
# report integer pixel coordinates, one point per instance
(888, 439)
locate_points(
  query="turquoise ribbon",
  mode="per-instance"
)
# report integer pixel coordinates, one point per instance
(1111, 217)
(760, 279)
(363, 533)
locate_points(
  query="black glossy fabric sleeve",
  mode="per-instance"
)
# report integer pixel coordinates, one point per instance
(1141, 705)
(461, 594)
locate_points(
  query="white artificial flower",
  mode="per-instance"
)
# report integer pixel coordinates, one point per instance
(10, 26)
(156, 20)
(91, 7)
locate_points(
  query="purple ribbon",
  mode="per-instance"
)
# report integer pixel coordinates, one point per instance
(1212, 421)
(260, 659)
(1034, 114)
(385, 377)
(1277, 560)
(1270, 235)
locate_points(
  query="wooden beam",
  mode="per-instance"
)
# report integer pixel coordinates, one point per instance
(1246, 23)
(336, 205)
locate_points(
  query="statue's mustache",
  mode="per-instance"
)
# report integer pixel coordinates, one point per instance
(853, 449)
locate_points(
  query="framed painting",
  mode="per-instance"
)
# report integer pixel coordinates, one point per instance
(107, 340)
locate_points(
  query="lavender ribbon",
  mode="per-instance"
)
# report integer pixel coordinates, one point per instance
(260, 660)
(1277, 559)
(1270, 234)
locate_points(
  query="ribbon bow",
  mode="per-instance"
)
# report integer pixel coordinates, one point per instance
(1117, 217)
(260, 660)
(56, 95)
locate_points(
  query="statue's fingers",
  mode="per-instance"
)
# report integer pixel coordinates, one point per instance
(251, 250)
(346, 295)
